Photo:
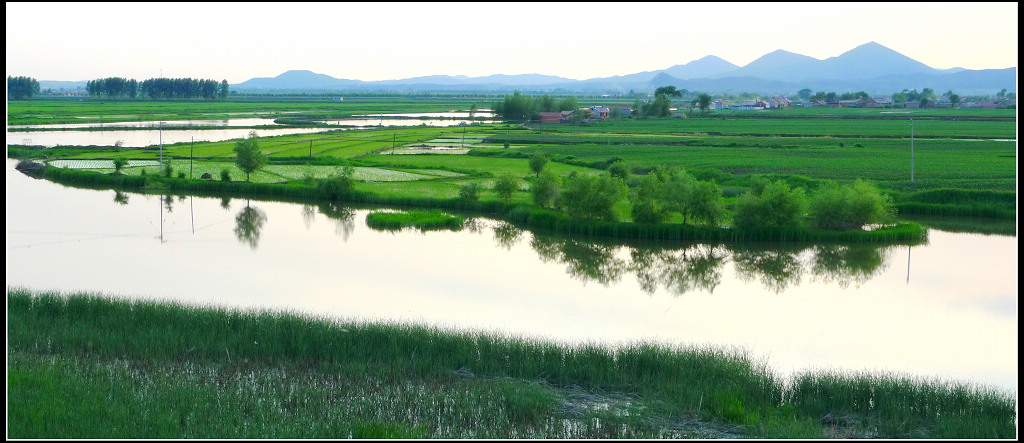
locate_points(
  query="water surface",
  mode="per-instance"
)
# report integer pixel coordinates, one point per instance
(946, 309)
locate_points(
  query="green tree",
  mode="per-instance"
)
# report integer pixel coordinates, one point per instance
(338, 185)
(804, 94)
(646, 199)
(704, 101)
(469, 192)
(21, 88)
(659, 108)
(591, 197)
(775, 206)
(505, 186)
(850, 207)
(706, 203)
(544, 188)
(668, 91)
(619, 169)
(516, 107)
(119, 164)
(537, 162)
(249, 158)
(679, 193)
(568, 104)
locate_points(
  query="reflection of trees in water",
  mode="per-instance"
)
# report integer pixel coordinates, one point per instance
(699, 266)
(679, 271)
(845, 264)
(225, 202)
(586, 261)
(120, 198)
(169, 203)
(308, 215)
(507, 235)
(248, 224)
(343, 217)
(472, 225)
(776, 268)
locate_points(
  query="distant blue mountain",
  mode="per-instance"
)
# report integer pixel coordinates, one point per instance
(870, 67)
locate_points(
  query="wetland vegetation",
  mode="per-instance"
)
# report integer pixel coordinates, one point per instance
(143, 369)
(831, 181)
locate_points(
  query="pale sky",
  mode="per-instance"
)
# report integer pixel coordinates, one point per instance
(382, 41)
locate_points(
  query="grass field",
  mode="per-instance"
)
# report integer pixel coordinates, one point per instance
(959, 149)
(145, 369)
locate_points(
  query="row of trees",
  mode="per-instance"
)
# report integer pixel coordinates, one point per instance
(519, 107)
(21, 88)
(158, 88)
(113, 87)
(659, 195)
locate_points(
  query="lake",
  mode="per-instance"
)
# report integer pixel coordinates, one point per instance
(42, 135)
(946, 309)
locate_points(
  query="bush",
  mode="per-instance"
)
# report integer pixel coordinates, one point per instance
(505, 186)
(338, 185)
(586, 196)
(619, 169)
(850, 207)
(544, 189)
(225, 175)
(775, 206)
(470, 192)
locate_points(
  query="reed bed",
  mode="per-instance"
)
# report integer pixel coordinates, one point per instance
(86, 365)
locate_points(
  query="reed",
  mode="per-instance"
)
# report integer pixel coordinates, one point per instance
(92, 366)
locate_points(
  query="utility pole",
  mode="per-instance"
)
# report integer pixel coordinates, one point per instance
(191, 154)
(911, 150)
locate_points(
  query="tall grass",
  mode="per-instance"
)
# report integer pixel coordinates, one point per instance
(91, 366)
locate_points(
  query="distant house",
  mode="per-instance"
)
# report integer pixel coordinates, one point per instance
(868, 103)
(912, 104)
(719, 104)
(624, 110)
(550, 117)
(601, 112)
(883, 102)
(849, 103)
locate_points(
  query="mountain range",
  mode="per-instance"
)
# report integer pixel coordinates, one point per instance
(870, 67)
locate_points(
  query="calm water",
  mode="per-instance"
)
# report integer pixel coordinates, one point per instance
(946, 309)
(142, 138)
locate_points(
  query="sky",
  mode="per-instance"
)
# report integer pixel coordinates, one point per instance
(384, 41)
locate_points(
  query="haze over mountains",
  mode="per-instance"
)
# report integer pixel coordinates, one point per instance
(870, 67)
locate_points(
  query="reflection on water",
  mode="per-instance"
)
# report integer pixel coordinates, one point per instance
(248, 225)
(845, 307)
(699, 266)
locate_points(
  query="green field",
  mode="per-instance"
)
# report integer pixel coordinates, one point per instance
(953, 149)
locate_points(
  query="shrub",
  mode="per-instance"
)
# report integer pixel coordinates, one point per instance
(470, 191)
(225, 175)
(505, 186)
(586, 196)
(619, 169)
(338, 185)
(775, 206)
(544, 189)
(850, 207)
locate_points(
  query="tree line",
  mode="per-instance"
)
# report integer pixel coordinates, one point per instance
(158, 88)
(21, 88)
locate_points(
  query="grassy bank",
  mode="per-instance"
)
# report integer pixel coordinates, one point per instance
(520, 212)
(90, 366)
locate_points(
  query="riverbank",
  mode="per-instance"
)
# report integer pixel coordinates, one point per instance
(92, 366)
(523, 214)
